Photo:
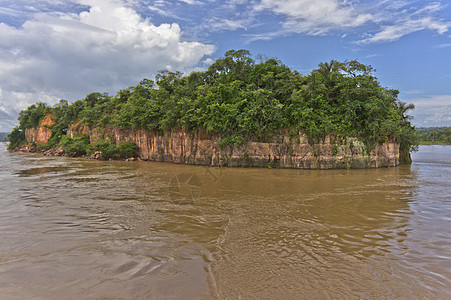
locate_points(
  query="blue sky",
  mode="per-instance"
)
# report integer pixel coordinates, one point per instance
(65, 49)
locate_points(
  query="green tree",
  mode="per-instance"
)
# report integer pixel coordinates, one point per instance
(16, 138)
(241, 100)
(33, 115)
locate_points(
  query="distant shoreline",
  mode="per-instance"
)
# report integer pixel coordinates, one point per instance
(434, 144)
(434, 135)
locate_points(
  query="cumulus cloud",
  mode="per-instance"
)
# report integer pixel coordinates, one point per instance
(105, 48)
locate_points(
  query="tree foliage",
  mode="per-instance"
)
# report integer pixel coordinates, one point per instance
(16, 138)
(33, 115)
(77, 146)
(241, 100)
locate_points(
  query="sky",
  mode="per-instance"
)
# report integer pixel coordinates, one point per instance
(66, 49)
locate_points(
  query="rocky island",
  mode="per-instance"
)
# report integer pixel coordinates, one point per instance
(237, 113)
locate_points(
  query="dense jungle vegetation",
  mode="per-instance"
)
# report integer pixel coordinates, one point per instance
(242, 99)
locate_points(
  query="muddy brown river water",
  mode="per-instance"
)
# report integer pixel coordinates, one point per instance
(85, 229)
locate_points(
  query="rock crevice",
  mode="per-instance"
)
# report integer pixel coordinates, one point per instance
(198, 148)
(283, 151)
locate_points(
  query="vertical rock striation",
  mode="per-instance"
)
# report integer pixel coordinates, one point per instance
(282, 151)
(197, 148)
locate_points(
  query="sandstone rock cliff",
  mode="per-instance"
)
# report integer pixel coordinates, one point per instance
(42, 133)
(197, 148)
(283, 151)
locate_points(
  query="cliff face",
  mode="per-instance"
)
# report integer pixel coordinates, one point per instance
(195, 148)
(42, 133)
(284, 151)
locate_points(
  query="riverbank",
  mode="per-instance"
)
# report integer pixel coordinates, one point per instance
(196, 148)
(59, 151)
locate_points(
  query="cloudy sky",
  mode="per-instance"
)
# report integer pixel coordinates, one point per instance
(65, 49)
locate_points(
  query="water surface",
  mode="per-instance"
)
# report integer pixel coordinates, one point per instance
(77, 228)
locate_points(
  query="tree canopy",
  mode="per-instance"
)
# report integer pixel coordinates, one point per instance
(242, 100)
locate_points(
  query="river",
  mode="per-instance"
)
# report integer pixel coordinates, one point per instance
(86, 229)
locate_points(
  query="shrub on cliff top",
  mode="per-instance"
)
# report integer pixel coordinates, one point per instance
(33, 115)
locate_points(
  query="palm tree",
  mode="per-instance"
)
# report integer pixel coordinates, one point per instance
(404, 107)
(326, 68)
(326, 71)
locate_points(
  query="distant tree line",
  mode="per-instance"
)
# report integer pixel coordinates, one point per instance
(242, 99)
(434, 135)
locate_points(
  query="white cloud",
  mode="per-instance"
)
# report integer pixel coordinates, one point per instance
(372, 55)
(443, 46)
(109, 47)
(218, 24)
(7, 122)
(191, 2)
(158, 10)
(394, 32)
(316, 17)
(208, 61)
(413, 92)
(9, 11)
(391, 20)
(264, 36)
(394, 5)
(405, 22)
(432, 101)
(432, 110)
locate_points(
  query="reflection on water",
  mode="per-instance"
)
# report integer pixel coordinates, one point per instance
(74, 228)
